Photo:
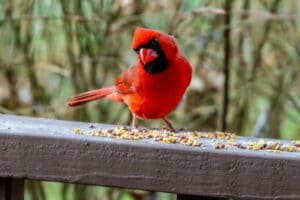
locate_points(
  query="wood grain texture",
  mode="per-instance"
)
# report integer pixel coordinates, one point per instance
(46, 149)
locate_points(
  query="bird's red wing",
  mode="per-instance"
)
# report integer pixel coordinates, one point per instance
(125, 82)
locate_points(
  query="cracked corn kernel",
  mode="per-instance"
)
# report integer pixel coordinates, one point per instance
(94, 133)
(297, 143)
(172, 139)
(137, 137)
(196, 143)
(165, 140)
(121, 131)
(256, 147)
(125, 136)
(210, 135)
(189, 142)
(77, 130)
(220, 134)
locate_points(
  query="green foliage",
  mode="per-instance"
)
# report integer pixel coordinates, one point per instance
(52, 49)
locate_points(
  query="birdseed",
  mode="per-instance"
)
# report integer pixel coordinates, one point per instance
(219, 140)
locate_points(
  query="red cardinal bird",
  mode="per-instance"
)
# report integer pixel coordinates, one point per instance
(153, 87)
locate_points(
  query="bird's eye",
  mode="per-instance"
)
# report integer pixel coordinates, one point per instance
(154, 41)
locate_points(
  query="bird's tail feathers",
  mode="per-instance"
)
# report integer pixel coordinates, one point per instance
(92, 95)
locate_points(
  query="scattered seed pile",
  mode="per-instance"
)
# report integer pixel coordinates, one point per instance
(220, 140)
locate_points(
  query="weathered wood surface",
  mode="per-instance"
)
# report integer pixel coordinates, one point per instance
(46, 149)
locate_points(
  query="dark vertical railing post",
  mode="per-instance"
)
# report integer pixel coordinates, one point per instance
(11, 189)
(192, 197)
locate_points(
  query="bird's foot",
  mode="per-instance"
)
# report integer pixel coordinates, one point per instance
(134, 124)
(170, 125)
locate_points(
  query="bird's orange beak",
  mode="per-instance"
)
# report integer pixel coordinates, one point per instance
(147, 55)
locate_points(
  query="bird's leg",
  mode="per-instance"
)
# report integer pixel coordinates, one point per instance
(134, 122)
(169, 124)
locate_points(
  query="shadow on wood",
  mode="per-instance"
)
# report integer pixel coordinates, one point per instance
(11, 189)
(191, 197)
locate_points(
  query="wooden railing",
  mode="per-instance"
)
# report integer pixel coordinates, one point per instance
(47, 149)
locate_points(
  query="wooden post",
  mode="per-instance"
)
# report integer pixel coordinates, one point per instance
(11, 189)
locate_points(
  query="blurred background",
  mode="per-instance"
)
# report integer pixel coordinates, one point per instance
(53, 49)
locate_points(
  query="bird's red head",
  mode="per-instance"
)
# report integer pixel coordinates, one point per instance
(155, 49)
